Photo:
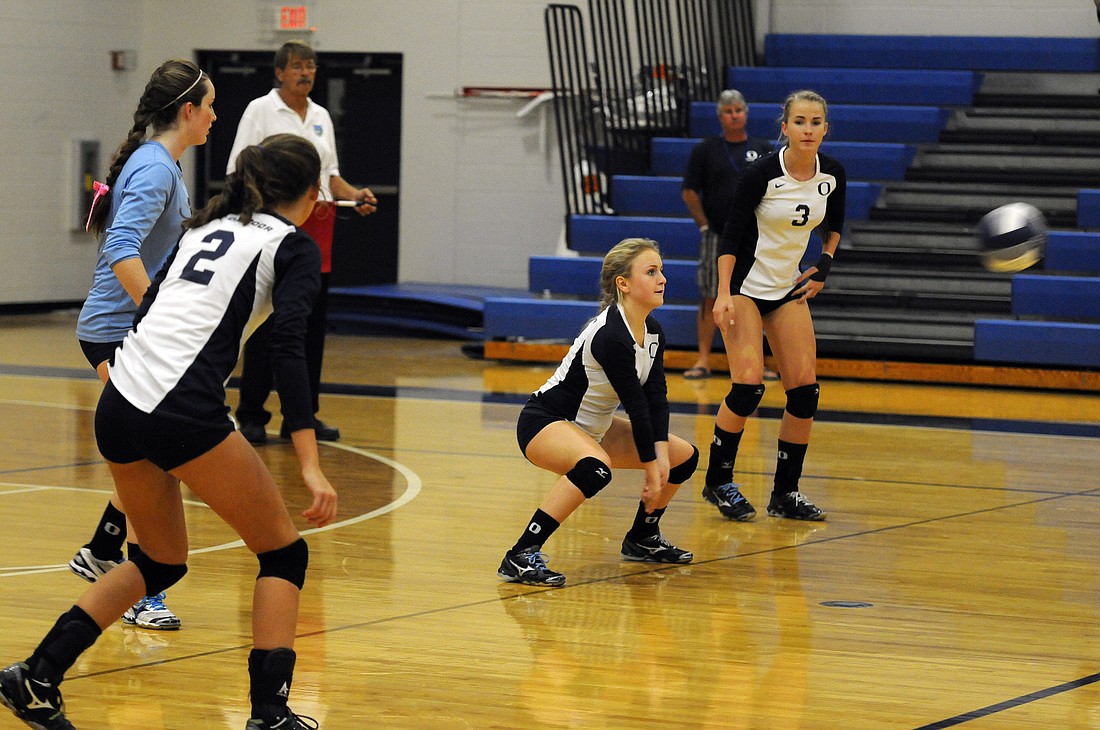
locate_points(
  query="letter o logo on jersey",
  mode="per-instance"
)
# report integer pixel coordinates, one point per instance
(653, 350)
(824, 188)
(751, 156)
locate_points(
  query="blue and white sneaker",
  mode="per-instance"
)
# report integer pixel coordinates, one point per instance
(151, 613)
(529, 567)
(730, 502)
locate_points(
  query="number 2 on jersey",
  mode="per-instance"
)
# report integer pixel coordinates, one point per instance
(192, 273)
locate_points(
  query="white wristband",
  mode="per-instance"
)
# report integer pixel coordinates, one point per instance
(704, 228)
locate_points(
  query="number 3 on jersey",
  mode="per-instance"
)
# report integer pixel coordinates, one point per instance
(804, 211)
(192, 273)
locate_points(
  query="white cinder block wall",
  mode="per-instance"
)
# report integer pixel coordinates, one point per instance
(480, 189)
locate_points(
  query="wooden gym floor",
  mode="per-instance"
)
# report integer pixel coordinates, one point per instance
(954, 584)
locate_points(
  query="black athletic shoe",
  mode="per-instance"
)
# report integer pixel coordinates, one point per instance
(654, 549)
(730, 502)
(36, 703)
(794, 506)
(282, 719)
(529, 567)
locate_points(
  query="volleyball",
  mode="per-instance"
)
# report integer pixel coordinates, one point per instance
(1013, 237)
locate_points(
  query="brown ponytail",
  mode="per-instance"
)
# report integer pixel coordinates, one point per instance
(278, 170)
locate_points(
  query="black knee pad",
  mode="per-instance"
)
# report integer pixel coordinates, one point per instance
(682, 472)
(802, 401)
(590, 475)
(288, 563)
(159, 577)
(743, 399)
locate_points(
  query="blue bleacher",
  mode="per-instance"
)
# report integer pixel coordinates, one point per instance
(932, 52)
(1058, 297)
(1073, 251)
(1051, 340)
(847, 122)
(596, 234)
(580, 276)
(533, 319)
(858, 85)
(886, 94)
(1088, 209)
(861, 160)
(1062, 344)
(660, 195)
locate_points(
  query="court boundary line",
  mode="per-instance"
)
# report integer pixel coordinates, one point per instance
(413, 486)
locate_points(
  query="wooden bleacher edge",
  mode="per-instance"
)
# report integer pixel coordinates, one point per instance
(906, 372)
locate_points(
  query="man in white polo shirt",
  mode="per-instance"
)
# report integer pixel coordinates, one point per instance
(287, 108)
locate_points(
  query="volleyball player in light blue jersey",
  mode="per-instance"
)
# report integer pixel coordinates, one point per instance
(138, 217)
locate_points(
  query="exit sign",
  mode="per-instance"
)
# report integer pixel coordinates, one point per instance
(293, 17)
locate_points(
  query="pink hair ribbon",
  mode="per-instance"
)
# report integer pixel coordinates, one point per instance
(100, 190)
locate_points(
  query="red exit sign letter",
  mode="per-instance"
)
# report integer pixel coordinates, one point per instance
(292, 17)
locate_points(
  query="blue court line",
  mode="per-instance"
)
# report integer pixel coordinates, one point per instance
(994, 425)
(1013, 703)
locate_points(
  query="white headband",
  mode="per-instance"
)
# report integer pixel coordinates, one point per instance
(185, 93)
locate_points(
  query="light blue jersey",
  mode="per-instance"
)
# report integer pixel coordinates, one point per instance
(149, 203)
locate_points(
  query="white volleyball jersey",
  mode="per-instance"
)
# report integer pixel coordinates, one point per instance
(771, 220)
(222, 281)
(606, 367)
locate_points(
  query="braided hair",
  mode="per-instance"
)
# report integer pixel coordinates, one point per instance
(278, 170)
(173, 84)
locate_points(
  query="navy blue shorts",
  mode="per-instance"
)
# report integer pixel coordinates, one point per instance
(126, 434)
(533, 418)
(97, 352)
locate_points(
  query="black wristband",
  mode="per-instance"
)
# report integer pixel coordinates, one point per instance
(823, 264)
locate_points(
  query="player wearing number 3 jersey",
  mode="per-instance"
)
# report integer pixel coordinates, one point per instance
(779, 201)
(774, 215)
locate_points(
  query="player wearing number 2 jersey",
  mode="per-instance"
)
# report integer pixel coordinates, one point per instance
(246, 270)
(163, 412)
(778, 202)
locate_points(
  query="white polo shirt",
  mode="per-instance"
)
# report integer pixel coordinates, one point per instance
(268, 115)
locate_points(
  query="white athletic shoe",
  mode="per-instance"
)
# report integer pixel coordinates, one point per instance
(89, 567)
(151, 613)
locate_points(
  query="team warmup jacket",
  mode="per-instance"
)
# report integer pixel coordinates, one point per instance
(771, 220)
(222, 282)
(606, 367)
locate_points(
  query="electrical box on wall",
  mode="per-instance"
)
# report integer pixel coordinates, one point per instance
(86, 155)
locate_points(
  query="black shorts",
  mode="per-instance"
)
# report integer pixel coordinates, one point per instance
(97, 352)
(126, 434)
(767, 306)
(533, 418)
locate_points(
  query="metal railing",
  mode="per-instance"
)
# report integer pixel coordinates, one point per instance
(650, 59)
